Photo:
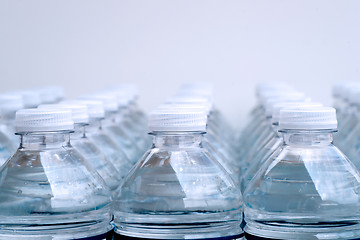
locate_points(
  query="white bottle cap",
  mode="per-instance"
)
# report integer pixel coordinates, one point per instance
(109, 100)
(95, 109)
(39, 120)
(204, 89)
(308, 118)
(123, 98)
(177, 120)
(10, 103)
(266, 89)
(31, 98)
(296, 96)
(129, 89)
(50, 94)
(278, 106)
(78, 111)
(194, 106)
(191, 100)
(271, 102)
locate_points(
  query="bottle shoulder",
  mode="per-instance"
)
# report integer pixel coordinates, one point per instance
(49, 181)
(305, 181)
(187, 178)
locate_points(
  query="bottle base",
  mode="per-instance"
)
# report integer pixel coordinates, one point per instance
(252, 237)
(123, 237)
(106, 236)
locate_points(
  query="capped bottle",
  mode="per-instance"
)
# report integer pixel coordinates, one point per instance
(177, 190)
(47, 190)
(309, 190)
(92, 153)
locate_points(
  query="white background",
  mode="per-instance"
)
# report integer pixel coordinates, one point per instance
(158, 44)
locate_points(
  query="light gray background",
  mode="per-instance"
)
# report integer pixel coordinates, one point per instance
(158, 44)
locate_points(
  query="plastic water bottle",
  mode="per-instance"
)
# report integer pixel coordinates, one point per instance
(210, 145)
(249, 144)
(309, 190)
(177, 190)
(126, 142)
(96, 134)
(50, 94)
(263, 92)
(137, 115)
(9, 104)
(350, 144)
(348, 117)
(341, 94)
(129, 127)
(91, 153)
(273, 146)
(265, 132)
(31, 99)
(215, 133)
(47, 190)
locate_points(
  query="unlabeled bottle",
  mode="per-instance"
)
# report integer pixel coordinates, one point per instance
(31, 99)
(9, 104)
(47, 190)
(91, 153)
(265, 132)
(109, 124)
(213, 147)
(95, 132)
(309, 190)
(50, 94)
(275, 142)
(177, 190)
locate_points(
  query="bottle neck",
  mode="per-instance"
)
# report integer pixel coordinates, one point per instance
(177, 140)
(110, 118)
(94, 125)
(44, 140)
(308, 138)
(7, 118)
(79, 131)
(122, 114)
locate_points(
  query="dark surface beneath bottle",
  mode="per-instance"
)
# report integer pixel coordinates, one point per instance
(105, 236)
(122, 237)
(252, 237)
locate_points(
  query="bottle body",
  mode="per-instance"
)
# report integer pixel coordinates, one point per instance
(178, 191)
(112, 151)
(49, 192)
(309, 190)
(94, 157)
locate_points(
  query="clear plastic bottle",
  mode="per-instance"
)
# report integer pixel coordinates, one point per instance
(216, 134)
(309, 190)
(177, 190)
(91, 153)
(131, 92)
(31, 99)
(9, 104)
(47, 190)
(265, 132)
(126, 142)
(130, 126)
(350, 145)
(275, 142)
(50, 94)
(263, 93)
(349, 119)
(96, 134)
(212, 146)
